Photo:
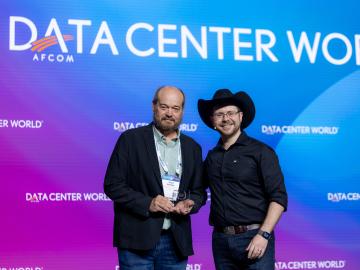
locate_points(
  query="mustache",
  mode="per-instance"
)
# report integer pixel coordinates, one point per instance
(168, 118)
(227, 122)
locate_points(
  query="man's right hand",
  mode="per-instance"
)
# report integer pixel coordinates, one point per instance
(184, 207)
(161, 204)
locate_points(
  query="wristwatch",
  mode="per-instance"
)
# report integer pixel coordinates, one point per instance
(264, 234)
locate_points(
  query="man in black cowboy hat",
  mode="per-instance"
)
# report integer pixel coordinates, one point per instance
(247, 187)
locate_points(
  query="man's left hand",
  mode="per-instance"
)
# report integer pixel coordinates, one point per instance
(184, 207)
(257, 247)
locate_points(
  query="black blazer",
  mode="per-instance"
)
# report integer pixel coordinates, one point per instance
(133, 178)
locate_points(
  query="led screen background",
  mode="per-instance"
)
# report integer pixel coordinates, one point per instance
(59, 119)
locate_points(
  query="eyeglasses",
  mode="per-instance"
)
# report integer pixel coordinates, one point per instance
(229, 114)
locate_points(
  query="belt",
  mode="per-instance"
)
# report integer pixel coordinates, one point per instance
(237, 229)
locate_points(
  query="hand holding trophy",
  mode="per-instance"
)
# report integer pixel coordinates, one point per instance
(184, 203)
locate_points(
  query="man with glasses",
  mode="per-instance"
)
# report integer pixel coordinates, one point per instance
(154, 177)
(248, 194)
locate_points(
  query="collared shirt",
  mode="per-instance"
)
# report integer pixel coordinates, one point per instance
(243, 180)
(169, 152)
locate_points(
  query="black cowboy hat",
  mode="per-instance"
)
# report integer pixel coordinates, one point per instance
(224, 97)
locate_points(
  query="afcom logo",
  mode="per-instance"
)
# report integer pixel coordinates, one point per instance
(41, 44)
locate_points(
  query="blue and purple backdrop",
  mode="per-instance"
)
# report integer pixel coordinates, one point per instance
(75, 74)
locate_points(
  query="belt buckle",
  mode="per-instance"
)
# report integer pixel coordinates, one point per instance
(229, 230)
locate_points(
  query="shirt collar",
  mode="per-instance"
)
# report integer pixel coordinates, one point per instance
(242, 140)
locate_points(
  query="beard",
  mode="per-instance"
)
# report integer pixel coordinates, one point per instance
(228, 128)
(166, 124)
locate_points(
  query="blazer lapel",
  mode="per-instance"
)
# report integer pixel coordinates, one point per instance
(185, 166)
(151, 154)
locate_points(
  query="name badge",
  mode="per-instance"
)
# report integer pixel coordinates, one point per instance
(171, 185)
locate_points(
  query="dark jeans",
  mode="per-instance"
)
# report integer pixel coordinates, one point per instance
(230, 253)
(163, 256)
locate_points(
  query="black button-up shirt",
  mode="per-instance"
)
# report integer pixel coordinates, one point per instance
(243, 180)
